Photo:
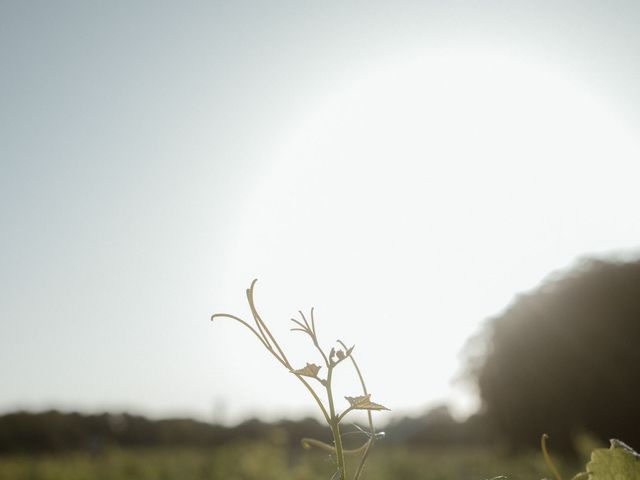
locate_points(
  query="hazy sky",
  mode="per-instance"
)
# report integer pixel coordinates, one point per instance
(404, 167)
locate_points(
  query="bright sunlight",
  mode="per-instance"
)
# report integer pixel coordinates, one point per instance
(436, 180)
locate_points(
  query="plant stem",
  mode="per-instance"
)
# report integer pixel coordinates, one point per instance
(335, 428)
(372, 431)
(316, 398)
(369, 444)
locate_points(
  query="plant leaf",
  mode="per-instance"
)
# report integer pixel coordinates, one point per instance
(310, 370)
(363, 402)
(617, 462)
(341, 354)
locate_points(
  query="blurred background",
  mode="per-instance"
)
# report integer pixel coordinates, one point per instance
(452, 186)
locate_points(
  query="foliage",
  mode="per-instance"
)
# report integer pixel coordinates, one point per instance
(618, 462)
(57, 432)
(311, 371)
(53, 431)
(565, 359)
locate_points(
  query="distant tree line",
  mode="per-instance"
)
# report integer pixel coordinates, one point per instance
(437, 427)
(54, 431)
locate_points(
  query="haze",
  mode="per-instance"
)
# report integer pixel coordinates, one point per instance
(406, 169)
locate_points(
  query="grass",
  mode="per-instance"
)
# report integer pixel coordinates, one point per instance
(271, 461)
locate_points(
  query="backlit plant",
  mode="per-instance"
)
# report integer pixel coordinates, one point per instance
(311, 373)
(619, 462)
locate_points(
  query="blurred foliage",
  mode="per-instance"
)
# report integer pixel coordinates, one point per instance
(437, 427)
(268, 461)
(54, 431)
(565, 358)
(433, 446)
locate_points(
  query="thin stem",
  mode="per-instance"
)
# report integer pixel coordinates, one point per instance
(324, 357)
(312, 442)
(343, 414)
(257, 318)
(305, 320)
(301, 325)
(372, 431)
(547, 458)
(335, 427)
(314, 337)
(363, 459)
(364, 386)
(316, 398)
(237, 319)
(311, 331)
(246, 324)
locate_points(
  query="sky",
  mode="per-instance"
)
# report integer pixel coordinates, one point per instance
(406, 168)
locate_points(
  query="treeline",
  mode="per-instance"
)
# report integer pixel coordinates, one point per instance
(54, 432)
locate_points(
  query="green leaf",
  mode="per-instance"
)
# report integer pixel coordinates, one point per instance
(618, 462)
(363, 402)
(310, 370)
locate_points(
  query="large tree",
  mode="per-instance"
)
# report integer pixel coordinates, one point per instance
(565, 358)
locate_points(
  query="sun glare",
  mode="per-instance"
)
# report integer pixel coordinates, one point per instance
(426, 193)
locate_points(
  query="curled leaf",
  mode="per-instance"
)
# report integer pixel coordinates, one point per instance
(363, 402)
(310, 370)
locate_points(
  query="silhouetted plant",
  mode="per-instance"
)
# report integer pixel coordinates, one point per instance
(311, 371)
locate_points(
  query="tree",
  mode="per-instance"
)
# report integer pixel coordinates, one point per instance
(565, 358)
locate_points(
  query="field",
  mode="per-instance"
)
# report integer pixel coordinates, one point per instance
(270, 461)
